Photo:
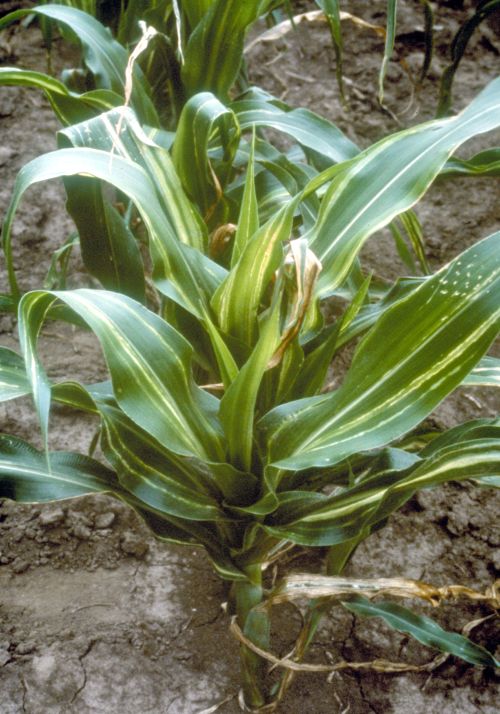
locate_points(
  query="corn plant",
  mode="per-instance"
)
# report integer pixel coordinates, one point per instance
(182, 42)
(217, 423)
(193, 47)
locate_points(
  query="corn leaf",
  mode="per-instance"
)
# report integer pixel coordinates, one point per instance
(414, 231)
(134, 452)
(236, 302)
(331, 8)
(257, 108)
(390, 36)
(214, 51)
(196, 9)
(238, 403)
(202, 115)
(311, 377)
(131, 142)
(106, 58)
(126, 445)
(13, 380)
(369, 314)
(468, 431)
(165, 402)
(486, 374)
(485, 163)
(248, 219)
(152, 474)
(184, 275)
(423, 629)
(69, 107)
(25, 476)
(386, 180)
(458, 48)
(417, 352)
(428, 39)
(477, 458)
(315, 519)
(109, 249)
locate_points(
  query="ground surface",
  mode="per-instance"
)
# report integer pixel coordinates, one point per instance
(96, 616)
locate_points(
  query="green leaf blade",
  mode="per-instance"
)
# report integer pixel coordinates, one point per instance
(423, 629)
(386, 180)
(182, 274)
(26, 477)
(104, 56)
(152, 474)
(13, 380)
(486, 374)
(152, 384)
(417, 352)
(215, 49)
(109, 250)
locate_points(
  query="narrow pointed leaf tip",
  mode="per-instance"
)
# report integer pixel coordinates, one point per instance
(24, 475)
(423, 629)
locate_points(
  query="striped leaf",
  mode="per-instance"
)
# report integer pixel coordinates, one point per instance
(106, 58)
(370, 313)
(293, 174)
(486, 374)
(315, 519)
(152, 474)
(26, 477)
(120, 133)
(76, 396)
(476, 456)
(238, 403)
(13, 380)
(319, 352)
(423, 629)
(486, 163)
(277, 178)
(109, 250)
(124, 443)
(468, 431)
(214, 51)
(108, 247)
(149, 363)
(238, 299)
(475, 459)
(312, 132)
(202, 116)
(248, 219)
(184, 275)
(417, 352)
(387, 179)
(69, 107)
(236, 302)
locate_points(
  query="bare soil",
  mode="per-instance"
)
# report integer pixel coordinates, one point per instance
(96, 616)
